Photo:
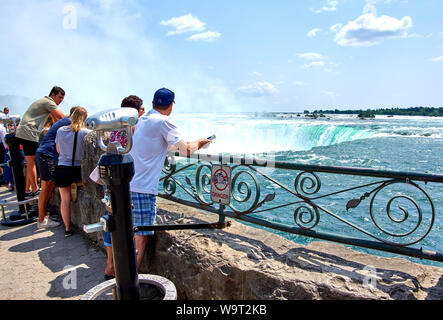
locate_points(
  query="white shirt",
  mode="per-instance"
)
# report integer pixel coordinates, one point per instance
(2, 135)
(153, 134)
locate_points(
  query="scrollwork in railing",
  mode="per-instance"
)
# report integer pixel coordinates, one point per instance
(395, 219)
(301, 181)
(306, 210)
(203, 183)
(399, 219)
(170, 165)
(242, 191)
(169, 186)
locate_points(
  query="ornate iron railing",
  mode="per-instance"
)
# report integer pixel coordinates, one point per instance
(375, 209)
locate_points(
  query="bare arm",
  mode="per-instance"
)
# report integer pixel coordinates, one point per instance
(56, 115)
(186, 148)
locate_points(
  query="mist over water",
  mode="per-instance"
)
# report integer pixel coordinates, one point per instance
(102, 56)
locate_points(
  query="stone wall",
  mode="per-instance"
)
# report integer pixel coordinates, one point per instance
(242, 262)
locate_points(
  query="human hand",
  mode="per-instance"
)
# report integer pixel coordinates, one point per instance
(203, 143)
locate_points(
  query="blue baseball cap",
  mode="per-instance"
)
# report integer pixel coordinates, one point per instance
(163, 97)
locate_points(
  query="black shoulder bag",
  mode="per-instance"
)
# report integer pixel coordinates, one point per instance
(75, 147)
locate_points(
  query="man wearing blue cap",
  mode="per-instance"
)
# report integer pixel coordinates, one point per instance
(154, 135)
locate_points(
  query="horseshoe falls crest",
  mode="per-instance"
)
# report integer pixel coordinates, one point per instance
(399, 143)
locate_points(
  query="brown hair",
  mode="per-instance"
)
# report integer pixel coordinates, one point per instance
(132, 102)
(78, 118)
(56, 90)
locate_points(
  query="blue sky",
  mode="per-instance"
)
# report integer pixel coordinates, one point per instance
(226, 56)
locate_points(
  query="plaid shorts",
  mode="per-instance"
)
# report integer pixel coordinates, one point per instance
(144, 211)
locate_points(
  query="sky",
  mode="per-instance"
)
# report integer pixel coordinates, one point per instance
(226, 56)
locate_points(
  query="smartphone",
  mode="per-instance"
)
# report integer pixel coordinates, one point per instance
(212, 137)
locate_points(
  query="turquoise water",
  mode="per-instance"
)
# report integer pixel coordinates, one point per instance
(406, 144)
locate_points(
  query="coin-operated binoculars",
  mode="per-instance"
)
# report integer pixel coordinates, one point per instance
(116, 169)
(26, 214)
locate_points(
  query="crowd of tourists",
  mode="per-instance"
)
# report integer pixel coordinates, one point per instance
(51, 144)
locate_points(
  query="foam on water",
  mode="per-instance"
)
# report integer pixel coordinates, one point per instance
(249, 133)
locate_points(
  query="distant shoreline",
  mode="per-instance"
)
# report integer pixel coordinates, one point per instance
(413, 111)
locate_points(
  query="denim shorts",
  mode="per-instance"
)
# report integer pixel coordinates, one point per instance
(144, 211)
(107, 237)
(46, 166)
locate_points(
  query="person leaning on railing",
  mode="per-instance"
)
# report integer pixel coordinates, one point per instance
(68, 174)
(154, 134)
(46, 158)
(28, 131)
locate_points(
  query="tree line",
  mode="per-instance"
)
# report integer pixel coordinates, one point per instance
(413, 111)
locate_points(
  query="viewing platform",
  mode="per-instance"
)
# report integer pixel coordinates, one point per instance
(40, 264)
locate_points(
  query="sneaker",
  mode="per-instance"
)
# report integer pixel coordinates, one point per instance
(47, 223)
(30, 195)
(69, 233)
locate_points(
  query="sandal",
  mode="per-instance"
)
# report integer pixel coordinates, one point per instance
(108, 277)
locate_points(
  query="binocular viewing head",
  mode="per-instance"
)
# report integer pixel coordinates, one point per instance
(110, 120)
(113, 119)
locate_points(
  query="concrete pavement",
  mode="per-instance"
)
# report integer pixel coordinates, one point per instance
(41, 264)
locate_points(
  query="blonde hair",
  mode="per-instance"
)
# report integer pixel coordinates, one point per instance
(78, 118)
(48, 124)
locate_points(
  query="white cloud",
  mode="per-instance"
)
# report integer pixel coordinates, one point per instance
(311, 56)
(184, 24)
(208, 36)
(313, 33)
(258, 89)
(336, 27)
(438, 59)
(329, 6)
(313, 64)
(368, 30)
(190, 24)
(299, 83)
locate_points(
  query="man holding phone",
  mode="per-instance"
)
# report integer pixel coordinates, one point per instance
(154, 135)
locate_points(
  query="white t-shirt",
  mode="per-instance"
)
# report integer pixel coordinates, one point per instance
(2, 135)
(153, 134)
